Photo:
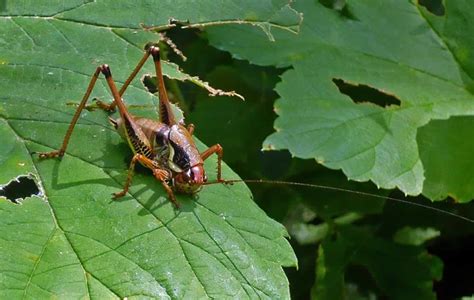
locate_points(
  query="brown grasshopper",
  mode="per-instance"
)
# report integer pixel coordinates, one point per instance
(166, 147)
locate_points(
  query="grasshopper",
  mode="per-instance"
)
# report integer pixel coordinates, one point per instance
(166, 147)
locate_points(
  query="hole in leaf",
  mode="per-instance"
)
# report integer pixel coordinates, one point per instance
(435, 7)
(150, 83)
(339, 6)
(364, 93)
(19, 188)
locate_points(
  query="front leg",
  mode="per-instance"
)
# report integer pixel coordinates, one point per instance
(220, 153)
(161, 175)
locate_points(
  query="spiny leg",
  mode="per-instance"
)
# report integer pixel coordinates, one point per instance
(162, 176)
(62, 150)
(131, 169)
(220, 153)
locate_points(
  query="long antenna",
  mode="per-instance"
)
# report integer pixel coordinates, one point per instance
(333, 188)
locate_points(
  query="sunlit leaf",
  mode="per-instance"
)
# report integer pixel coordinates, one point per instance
(74, 241)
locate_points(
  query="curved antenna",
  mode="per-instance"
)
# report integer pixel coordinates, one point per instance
(338, 189)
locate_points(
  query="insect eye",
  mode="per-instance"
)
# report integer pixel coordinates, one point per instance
(161, 139)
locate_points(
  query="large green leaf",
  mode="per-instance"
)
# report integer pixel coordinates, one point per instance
(265, 14)
(395, 47)
(73, 241)
(447, 143)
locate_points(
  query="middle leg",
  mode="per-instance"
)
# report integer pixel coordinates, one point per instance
(220, 153)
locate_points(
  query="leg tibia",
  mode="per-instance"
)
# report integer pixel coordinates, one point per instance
(220, 153)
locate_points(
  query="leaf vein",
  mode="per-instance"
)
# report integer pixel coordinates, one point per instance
(29, 36)
(66, 39)
(230, 260)
(35, 266)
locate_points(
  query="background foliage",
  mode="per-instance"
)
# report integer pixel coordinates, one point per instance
(381, 90)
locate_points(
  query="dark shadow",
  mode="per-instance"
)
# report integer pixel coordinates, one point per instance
(457, 270)
(186, 202)
(154, 202)
(366, 283)
(435, 7)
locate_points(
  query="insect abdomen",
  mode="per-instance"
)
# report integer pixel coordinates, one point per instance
(137, 145)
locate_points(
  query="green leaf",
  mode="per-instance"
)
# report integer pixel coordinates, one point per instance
(415, 236)
(399, 51)
(311, 234)
(415, 267)
(74, 241)
(14, 156)
(153, 13)
(448, 143)
(265, 14)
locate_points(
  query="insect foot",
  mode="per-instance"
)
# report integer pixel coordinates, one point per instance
(119, 194)
(99, 104)
(176, 204)
(52, 154)
(222, 181)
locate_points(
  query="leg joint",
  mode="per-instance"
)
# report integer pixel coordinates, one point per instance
(155, 52)
(105, 69)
